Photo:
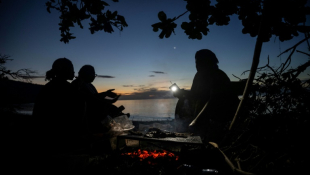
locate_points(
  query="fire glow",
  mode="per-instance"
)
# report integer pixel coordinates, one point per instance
(143, 154)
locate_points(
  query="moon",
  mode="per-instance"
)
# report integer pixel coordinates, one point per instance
(174, 47)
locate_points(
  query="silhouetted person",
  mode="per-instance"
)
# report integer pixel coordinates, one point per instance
(213, 87)
(53, 110)
(56, 126)
(94, 106)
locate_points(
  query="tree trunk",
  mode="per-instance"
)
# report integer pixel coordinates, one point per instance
(255, 62)
(257, 51)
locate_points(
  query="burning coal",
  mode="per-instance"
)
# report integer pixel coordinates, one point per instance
(143, 154)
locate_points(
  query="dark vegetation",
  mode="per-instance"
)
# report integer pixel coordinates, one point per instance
(271, 136)
(15, 92)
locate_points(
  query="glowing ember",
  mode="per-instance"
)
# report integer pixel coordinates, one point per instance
(143, 154)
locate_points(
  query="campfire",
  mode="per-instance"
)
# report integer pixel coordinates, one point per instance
(162, 152)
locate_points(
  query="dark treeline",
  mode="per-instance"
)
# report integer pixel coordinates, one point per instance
(19, 92)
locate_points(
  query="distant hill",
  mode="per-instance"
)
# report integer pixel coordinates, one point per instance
(15, 92)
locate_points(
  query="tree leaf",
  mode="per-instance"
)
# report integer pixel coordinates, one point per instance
(104, 3)
(168, 33)
(162, 16)
(155, 29)
(162, 34)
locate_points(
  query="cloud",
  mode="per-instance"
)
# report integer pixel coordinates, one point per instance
(126, 94)
(105, 76)
(158, 72)
(151, 75)
(129, 85)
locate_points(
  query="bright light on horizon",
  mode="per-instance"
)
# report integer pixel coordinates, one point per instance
(174, 88)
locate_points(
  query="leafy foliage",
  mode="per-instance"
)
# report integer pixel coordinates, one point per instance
(75, 11)
(271, 136)
(282, 18)
(166, 25)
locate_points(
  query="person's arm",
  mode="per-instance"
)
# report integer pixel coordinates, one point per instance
(181, 93)
(91, 94)
(108, 93)
(199, 89)
(112, 100)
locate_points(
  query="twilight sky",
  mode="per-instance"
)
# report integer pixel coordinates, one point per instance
(141, 64)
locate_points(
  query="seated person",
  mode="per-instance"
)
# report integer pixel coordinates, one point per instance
(210, 97)
(56, 125)
(93, 105)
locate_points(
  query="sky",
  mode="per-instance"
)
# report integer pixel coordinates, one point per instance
(142, 65)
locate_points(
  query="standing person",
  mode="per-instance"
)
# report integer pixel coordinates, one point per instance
(210, 86)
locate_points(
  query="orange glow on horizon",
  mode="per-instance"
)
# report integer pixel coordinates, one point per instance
(117, 91)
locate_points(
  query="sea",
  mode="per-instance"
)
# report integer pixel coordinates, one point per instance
(139, 110)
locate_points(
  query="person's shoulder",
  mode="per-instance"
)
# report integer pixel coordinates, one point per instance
(91, 87)
(221, 77)
(221, 73)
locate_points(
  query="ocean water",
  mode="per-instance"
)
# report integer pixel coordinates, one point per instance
(149, 109)
(140, 110)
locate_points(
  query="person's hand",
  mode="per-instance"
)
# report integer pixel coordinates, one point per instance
(115, 99)
(111, 94)
(121, 108)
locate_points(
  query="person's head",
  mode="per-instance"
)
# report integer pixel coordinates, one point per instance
(62, 69)
(205, 59)
(87, 73)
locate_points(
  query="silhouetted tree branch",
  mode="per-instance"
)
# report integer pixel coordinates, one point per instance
(305, 39)
(21, 74)
(75, 11)
(283, 18)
